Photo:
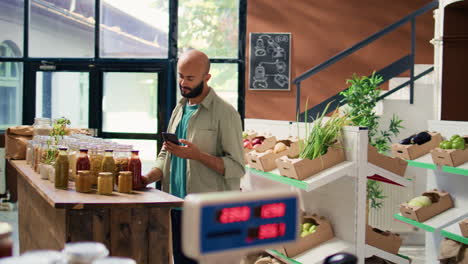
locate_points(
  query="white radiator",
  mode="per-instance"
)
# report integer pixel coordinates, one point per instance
(383, 218)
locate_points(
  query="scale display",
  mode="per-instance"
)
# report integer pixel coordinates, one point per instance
(235, 225)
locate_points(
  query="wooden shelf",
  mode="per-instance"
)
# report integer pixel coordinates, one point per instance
(398, 259)
(437, 222)
(317, 254)
(453, 232)
(373, 169)
(313, 182)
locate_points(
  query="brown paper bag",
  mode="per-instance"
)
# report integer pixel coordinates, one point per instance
(16, 139)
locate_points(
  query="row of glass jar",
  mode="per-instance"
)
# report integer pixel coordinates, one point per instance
(82, 155)
(73, 253)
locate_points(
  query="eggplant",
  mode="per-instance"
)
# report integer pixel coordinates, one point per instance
(407, 141)
(421, 138)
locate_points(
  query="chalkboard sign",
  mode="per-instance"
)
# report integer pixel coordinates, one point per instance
(270, 61)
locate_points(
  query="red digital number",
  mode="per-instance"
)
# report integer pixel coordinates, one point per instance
(273, 210)
(271, 230)
(234, 214)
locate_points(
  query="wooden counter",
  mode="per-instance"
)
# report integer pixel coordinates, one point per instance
(132, 225)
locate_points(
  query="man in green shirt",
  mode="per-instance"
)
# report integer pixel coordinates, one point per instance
(210, 158)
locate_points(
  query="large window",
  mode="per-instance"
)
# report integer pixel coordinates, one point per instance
(109, 64)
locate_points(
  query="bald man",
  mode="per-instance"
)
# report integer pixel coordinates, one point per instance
(210, 158)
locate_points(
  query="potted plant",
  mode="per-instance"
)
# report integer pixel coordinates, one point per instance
(361, 99)
(58, 131)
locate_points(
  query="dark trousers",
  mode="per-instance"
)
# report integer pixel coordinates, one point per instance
(176, 221)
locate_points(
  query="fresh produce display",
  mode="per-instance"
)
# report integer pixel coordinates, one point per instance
(250, 144)
(455, 142)
(322, 134)
(307, 229)
(280, 147)
(422, 201)
(419, 139)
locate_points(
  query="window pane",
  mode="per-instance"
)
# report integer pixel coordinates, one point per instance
(224, 80)
(134, 29)
(61, 28)
(210, 26)
(11, 94)
(11, 28)
(147, 148)
(63, 94)
(130, 102)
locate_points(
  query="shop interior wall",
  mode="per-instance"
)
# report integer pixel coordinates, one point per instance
(321, 29)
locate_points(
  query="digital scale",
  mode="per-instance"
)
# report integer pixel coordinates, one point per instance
(223, 227)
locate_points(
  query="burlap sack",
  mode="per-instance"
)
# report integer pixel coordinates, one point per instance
(16, 139)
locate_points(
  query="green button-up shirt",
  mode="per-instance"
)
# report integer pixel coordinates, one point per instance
(216, 129)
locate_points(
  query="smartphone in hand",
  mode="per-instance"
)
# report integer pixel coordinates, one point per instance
(170, 137)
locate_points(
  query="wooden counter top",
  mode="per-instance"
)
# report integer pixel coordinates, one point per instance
(57, 198)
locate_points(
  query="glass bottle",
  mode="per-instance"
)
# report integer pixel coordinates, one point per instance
(125, 182)
(6, 243)
(121, 157)
(83, 181)
(73, 154)
(82, 163)
(104, 183)
(134, 165)
(61, 169)
(96, 155)
(108, 164)
(29, 151)
(42, 126)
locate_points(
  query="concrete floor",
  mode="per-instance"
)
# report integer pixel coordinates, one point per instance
(416, 253)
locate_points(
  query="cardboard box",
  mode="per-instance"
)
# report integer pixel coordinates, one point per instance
(464, 227)
(254, 257)
(441, 201)
(301, 169)
(324, 233)
(384, 240)
(265, 161)
(268, 143)
(396, 165)
(411, 152)
(250, 134)
(449, 157)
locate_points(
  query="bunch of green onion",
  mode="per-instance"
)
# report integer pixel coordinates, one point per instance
(322, 134)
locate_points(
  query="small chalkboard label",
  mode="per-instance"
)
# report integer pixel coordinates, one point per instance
(270, 61)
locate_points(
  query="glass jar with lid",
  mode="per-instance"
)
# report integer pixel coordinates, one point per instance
(134, 165)
(104, 183)
(108, 164)
(96, 155)
(61, 169)
(29, 152)
(73, 153)
(44, 256)
(6, 243)
(125, 182)
(42, 126)
(83, 181)
(84, 252)
(121, 157)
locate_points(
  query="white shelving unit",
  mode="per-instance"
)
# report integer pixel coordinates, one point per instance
(338, 193)
(451, 179)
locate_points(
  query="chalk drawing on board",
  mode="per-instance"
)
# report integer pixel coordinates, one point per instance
(269, 61)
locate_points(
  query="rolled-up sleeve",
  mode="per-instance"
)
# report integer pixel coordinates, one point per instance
(161, 159)
(233, 154)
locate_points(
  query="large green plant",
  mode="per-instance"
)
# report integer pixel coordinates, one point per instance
(58, 131)
(361, 98)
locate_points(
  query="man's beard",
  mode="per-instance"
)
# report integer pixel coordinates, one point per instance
(194, 92)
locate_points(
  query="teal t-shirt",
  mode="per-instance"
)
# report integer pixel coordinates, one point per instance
(179, 165)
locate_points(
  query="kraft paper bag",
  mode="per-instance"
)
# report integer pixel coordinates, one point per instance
(16, 139)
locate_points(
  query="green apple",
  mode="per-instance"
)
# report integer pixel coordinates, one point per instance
(455, 137)
(304, 233)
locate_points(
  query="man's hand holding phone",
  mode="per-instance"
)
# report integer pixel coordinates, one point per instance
(174, 146)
